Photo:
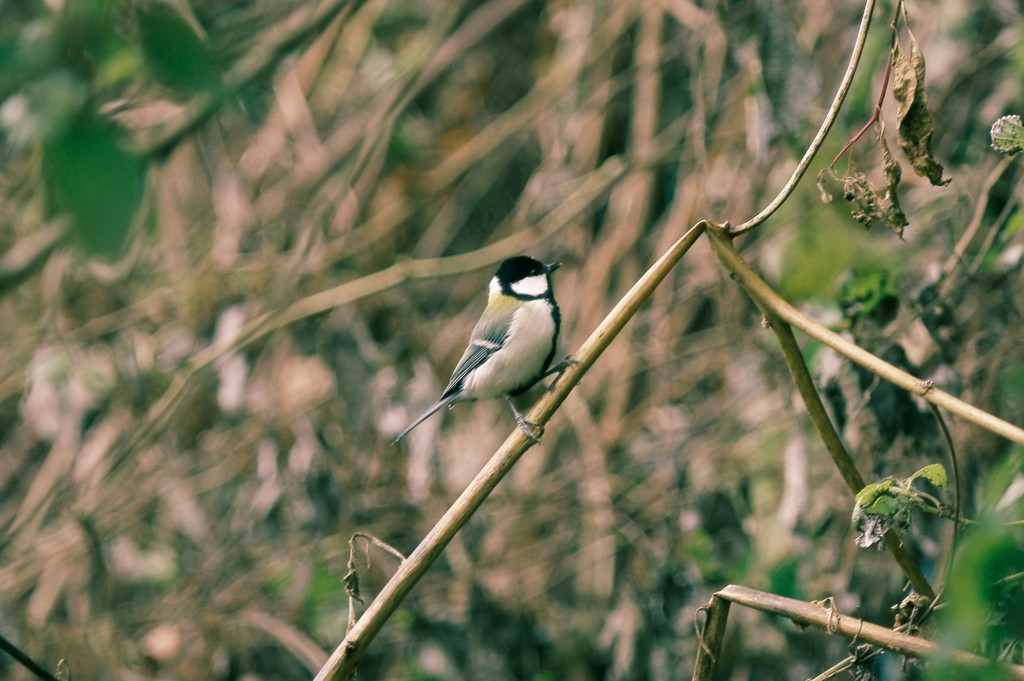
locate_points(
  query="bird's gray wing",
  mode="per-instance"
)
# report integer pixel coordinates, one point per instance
(487, 338)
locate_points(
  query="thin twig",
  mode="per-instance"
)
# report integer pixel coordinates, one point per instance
(379, 543)
(25, 660)
(836, 669)
(711, 637)
(826, 126)
(881, 93)
(351, 578)
(957, 256)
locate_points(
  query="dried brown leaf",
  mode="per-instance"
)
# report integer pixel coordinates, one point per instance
(893, 214)
(858, 191)
(824, 193)
(869, 204)
(915, 122)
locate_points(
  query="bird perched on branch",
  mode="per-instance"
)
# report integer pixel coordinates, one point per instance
(513, 344)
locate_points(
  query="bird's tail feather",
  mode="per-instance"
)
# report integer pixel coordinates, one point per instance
(437, 406)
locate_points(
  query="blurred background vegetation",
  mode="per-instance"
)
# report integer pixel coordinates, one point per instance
(218, 304)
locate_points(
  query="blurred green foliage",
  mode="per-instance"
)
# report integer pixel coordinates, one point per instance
(869, 292)
(62, 73)
(176, 55)
(95, 181)
(984, 610)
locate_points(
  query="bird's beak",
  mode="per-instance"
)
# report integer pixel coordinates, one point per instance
(552, 266)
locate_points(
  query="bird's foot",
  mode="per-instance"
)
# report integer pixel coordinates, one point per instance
(534, 431)
(560, 369)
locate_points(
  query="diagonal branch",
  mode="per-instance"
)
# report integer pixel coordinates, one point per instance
(343, 660)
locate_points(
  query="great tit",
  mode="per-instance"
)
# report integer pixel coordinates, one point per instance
(512, 345)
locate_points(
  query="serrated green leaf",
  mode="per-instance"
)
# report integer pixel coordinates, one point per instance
(884, 504)
(1008, 134)
(867, 496)
(934, 473)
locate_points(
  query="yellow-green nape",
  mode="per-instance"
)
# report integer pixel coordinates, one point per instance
(500, 301)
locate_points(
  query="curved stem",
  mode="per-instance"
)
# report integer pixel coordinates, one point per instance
(826, 126)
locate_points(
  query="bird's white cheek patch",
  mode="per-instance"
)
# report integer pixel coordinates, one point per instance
(537, 285)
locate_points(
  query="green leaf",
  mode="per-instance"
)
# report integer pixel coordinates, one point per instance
(870, 292)
(96, 183)
(873, 492)
(1008, 134)
(885, 506)
(877, 511)
(985, 602)
(934, 473)
(175, 52)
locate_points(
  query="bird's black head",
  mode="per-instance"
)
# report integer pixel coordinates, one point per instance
(524, 277)
(519, 267)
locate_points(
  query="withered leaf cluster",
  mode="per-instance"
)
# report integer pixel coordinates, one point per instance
(914, 134)
(871, 205)
(915, 122)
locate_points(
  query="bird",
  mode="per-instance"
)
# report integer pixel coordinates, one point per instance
(512, 345)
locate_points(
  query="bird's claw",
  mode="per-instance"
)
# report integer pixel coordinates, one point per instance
(560, 369)
(534, 431)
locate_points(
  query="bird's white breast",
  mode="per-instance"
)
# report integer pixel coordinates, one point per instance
(521, 358)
